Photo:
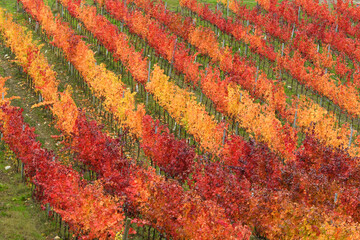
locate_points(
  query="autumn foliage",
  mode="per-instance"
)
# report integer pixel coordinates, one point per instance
(273, 183)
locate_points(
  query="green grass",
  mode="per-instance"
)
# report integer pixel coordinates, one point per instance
(9, 5)
(20, 217)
